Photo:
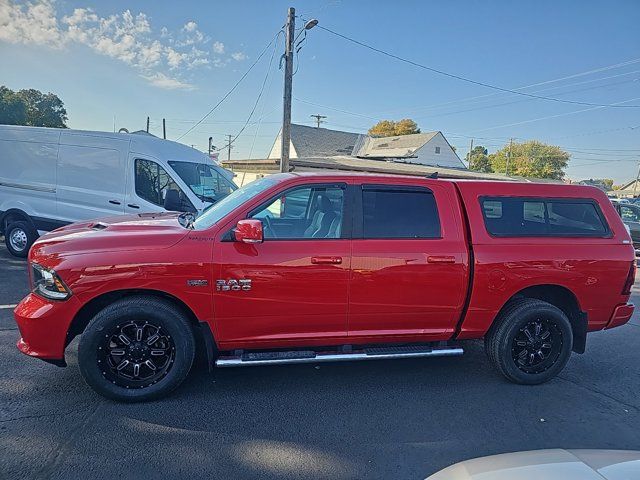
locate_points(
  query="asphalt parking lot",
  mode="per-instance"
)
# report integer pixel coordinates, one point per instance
(402, 419)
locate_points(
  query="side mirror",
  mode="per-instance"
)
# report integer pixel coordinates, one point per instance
(248, 231)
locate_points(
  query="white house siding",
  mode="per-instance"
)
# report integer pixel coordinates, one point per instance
(426, 155)
(276, 150)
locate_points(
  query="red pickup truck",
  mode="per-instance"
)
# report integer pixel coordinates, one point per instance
(317, 267)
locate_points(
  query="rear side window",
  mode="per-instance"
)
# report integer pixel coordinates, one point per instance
(526, 217)
(398, 213)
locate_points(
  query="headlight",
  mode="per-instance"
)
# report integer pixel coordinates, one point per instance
(47, 283)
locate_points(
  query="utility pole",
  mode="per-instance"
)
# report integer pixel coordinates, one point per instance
(506, 170)
(229, 147)
(470, 150)
(147, 124)
(318, 118)
(164, 129)
(635, 185)
(210, 143)
(288, 84)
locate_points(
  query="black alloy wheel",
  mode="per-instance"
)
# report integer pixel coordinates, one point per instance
(136, 355)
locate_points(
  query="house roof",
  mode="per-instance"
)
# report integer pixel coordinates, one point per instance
(354, 164)
(321, 142)
(400, 146)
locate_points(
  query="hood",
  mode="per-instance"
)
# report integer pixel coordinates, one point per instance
(143, 231)
(556, 464)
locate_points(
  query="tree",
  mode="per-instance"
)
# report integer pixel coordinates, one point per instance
(44, 109)
(478, 160)
(532, 159)
(13, 111)
(390, 128)
(32, 108)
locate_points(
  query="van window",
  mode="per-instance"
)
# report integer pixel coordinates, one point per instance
(398, 213)
(525, 217)
(153, 182)
(204, 180)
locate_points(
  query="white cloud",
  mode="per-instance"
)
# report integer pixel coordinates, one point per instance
(126, 37)
(218, 47)
(31, 23)
(160, 80)
(190, 26)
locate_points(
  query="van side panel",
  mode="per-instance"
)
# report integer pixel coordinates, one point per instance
(28, 171)
(91, 177)
(593, 269)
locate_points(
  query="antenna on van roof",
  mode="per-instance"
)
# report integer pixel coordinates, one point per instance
(433, 175)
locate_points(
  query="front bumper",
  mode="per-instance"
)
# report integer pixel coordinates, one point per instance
(621, 315)
(43, 326)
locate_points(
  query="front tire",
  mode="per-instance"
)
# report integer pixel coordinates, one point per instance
(136, 349)
(19, 236)
(530, 342)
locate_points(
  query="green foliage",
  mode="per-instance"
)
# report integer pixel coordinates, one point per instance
(389, 128)
(479, 160)
(32, 108)
(532, 159)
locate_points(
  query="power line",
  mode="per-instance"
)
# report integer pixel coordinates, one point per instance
(234, 86)
(255, 105)
(469, 80)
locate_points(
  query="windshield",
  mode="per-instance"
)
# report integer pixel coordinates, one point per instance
(204, 180)
(216, 212)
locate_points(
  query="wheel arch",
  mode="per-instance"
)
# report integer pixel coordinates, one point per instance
(205, 342)
(562, 298)
(12, 215)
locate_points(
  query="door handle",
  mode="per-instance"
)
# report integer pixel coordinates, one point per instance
(441, 259)
(133, 205)
(326, 260)
(114, 202)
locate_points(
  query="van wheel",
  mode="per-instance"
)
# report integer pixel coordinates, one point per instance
(530, 342)
(19, 236)
(136, 349)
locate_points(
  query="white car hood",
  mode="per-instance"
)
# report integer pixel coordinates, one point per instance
(556, 464)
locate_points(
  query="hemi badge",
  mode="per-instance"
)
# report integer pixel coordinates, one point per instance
(197, 283)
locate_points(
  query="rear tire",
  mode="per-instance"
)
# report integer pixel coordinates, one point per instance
(136, 349)
(19, 236)
(530, 342)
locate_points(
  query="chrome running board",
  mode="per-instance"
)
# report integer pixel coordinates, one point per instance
(309, 356)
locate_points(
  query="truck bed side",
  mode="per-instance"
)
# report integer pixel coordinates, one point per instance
(591, 271)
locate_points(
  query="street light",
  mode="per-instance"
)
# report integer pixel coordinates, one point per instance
(288, 81)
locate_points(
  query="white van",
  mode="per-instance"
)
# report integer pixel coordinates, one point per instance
(52, 177)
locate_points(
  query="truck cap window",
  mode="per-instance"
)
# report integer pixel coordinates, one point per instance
(526, 217)
(399, 213)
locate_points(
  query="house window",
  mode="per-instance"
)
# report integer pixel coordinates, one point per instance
(437, 149)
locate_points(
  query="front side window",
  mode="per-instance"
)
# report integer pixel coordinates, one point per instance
(153, 184)
(311, 212)
(522, 217)
(204, 180)
(393, 213)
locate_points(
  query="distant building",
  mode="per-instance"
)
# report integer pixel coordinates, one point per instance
(315, 149)
(595, 183)
(430, 148)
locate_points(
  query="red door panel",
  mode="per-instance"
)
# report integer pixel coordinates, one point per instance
(299, 290)
(409, 287)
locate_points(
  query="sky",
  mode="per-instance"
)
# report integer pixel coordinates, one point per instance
(115, 63)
